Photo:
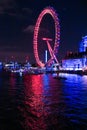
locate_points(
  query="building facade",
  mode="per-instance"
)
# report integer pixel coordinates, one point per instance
(78, 60)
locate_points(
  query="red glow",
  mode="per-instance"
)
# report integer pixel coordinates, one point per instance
(36, 82)
(33, 99)
(47, 39)
(52, 12)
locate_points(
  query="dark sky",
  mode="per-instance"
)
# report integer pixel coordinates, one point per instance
(18, 18)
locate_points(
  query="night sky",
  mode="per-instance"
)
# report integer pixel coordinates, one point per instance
(18, 18)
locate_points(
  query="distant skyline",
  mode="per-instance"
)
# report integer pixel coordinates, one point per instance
(18, 18)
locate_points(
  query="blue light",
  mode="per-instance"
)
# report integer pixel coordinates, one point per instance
(46, 56)
(76, 61)
(83, 44)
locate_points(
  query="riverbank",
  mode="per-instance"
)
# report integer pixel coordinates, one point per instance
(79, 72)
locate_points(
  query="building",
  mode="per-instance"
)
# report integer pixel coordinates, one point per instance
(1, 66)
(11, 65)
(77, 60)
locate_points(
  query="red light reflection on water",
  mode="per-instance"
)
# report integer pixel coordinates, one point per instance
(33, 83)
(34, 113)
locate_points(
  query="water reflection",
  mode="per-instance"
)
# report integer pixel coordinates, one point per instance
(75, 97)
(49, 101)
(44, 105)
(42, 102)
(34, 113)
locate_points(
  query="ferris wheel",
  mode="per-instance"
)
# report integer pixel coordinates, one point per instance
(53, 51)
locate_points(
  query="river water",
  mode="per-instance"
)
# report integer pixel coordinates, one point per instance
(43, 102)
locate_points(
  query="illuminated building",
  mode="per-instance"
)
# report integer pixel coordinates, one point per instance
(1, 65)
(78, 60)
(83, 44)
(12, 65)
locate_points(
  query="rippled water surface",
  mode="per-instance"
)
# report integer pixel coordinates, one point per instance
(43, 102)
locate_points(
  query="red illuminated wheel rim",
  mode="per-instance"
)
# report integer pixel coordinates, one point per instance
(52, 12)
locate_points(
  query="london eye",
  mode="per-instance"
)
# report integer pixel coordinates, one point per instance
(53, 51)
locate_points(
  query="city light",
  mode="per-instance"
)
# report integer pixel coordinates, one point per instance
(52, 12)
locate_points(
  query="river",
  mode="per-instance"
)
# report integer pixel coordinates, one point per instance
(43, 102)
